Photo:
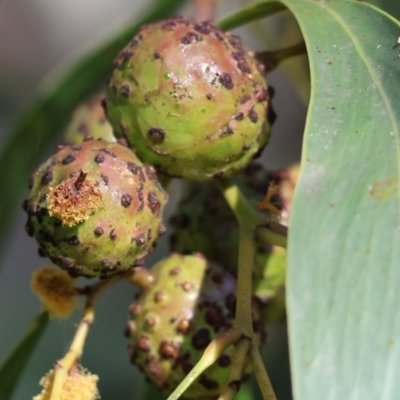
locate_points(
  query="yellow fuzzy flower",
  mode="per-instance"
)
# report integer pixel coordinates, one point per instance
(54, 288)
(79, 385)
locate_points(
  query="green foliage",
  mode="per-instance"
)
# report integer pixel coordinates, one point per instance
(13, 366)
(344, 242)
(344, 253)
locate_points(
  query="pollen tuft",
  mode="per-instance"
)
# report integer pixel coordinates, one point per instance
(54, 289)
(73, 201)
(79, 385)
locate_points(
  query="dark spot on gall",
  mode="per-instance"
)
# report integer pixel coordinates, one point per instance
(235, 41)
(238, 116)
(65, 262)
(98, 231)
(154, 204)
(183, 326)
(105, 179)
(99, 159)
(169, 25)
(73, 240)
(208, 383)
(224, 361)
(203, 27)
(29, 228)
(133, 43)
(150, 322)
(31, 182)
(68, 159)
(191, 37)
(150, 172)
(126, 200)
(47, 177)
(156, 134)
(175, 271)
(140, 199)
(226, 80)
(125, 90)
(133, 168)
(122, 142)
(157, 55)
(169, 349)
(113, 235)
(209, 96)
(159, 296)
(187, 286)
(108, 152)
(139, 240)
(144, 343)
(235, 385)
(253, 116)
(31, 209)
(138, 262)
(201, 339)
(226, 131)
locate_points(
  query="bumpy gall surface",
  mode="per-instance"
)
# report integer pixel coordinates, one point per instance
(94, 208)
(172, 322)
(89, 120)
(190, 99)
(205, 223)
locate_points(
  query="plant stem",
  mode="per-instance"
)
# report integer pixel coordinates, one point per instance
(63, 366)
(261, 374)
(204, 10)
(271, 59)
(239, 358)
(248, 220)
(272, 237)
(142, 277)
(210, 355)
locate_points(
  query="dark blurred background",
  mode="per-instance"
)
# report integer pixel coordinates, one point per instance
(38, 36)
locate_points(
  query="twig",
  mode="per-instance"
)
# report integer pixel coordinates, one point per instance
(271, 59)
(261, 374)
(204, 10)
(239, 359)
(210, 355)
(63, 366)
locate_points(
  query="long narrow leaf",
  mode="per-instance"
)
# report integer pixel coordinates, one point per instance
(251, 13)
(35, 129)
(344, 245)
(13, 366)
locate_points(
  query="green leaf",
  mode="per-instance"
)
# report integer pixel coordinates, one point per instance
(251, 13)
(38, 126)
(13, 366)
(344, 249)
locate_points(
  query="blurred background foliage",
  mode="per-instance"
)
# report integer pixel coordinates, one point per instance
(37, 40)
